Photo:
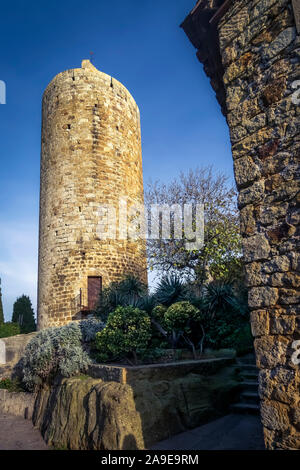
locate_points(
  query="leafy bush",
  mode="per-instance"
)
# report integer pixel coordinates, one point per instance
(178, 316)
(89, 329)
(178, 322)
(227, 322)
(58, 351)
(12, 385)
(9, 329)
(127, 331)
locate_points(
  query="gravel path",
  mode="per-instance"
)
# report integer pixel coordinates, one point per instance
(17, 433)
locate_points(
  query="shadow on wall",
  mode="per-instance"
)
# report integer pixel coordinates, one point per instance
(154, 404)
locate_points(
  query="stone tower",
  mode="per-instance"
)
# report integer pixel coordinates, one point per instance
(91, 156)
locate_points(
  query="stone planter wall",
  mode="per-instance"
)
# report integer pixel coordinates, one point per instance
(132, 408)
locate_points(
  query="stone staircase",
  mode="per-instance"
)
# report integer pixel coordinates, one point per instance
(249, 398)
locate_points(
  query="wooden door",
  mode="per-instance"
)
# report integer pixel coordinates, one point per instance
(94, 289)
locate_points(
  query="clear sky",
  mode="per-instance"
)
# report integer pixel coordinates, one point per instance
(138, 42)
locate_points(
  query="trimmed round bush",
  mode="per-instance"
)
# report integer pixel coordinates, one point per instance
(127, 331)
(179, 315)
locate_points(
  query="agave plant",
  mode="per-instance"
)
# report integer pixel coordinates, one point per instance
(170, 289)
(127, 292)
(131, 286)
(219, 297)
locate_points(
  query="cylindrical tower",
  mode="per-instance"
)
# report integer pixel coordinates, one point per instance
(91, 156)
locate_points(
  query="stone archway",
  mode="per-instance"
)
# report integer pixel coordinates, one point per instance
(250, 51)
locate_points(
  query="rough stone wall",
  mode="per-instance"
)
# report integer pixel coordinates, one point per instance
(91, 156)
(259, 49)
(150, 405)
(260, 54)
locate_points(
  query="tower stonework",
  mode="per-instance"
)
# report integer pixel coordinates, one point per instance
(91, 157)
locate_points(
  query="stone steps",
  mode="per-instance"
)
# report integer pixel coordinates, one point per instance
(245, 408)
(249, 398)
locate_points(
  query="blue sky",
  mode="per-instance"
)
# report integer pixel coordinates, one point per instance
(137, 42)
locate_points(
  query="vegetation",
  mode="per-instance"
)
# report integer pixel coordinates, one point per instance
(129, 291)
(181, 317)
(127, 331)
(220, 257)
(12, 385)
(58, 351)
(175, 316)
(9, 329)
(23, 314)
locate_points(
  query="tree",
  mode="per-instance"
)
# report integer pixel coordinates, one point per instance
(1, 307)
(23, 314)
(221, 253)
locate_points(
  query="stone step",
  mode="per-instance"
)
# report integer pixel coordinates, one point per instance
(252, 375)
(249, 408)
(250, 367)
(250, 385)
(250, 397)
(248, 359)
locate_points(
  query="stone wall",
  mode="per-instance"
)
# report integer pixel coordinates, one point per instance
(91, 157)
(13, 348)
(133, 409)
(259, 47)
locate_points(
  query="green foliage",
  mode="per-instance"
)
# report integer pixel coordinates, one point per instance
(170, 289)
(158, 313)
(179, 316)
(12, 385)
(9, 329)
(23, 314)
(227, 322)
(222, 250)
(58, 351)
(127, 331)
(128, 292)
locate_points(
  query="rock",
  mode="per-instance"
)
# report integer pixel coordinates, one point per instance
(88, 413)
(246, 171)
(256, 248)
(283, 40)
(262, 297)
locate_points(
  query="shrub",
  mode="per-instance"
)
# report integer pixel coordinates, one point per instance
(89, 329)
(127, 292)
(178, 323)
(227, 322)
(58, 351)
(12, 385)
(9, 329)
(179, 316)
(127, 331)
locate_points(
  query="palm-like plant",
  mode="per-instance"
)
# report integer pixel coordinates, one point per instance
(170, 289)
